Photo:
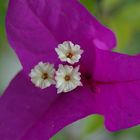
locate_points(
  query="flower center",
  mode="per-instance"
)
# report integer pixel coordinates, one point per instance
(69, 55)
(67, 78)
(45, 76)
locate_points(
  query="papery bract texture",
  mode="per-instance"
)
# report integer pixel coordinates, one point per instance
(120, 104)
(117, 78)
(35, 27)
(29, 113)
(33, 114)
(115, 67)
(110, 80)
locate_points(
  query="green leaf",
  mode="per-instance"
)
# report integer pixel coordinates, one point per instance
(131, 14)
(93, 123)
(88, 4)
(3, 7)
(125, 23)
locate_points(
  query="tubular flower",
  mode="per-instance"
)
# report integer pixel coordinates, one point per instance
(34, 29)
(42, 75)
(68, 52)
(68, 78)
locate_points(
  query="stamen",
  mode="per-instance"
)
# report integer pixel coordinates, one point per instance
(67, 78)
(45, 76)
(42, 75)
(69, 52)
(69, 55)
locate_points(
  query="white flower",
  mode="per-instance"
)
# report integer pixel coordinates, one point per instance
(42, 75)
(68, 52)
(67, 78)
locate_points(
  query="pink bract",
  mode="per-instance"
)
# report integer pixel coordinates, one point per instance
(111, 80)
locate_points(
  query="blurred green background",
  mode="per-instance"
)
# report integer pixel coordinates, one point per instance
(123, 17)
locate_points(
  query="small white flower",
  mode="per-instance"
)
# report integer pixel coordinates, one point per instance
(42, 75)
(67, 78)
(68, 52)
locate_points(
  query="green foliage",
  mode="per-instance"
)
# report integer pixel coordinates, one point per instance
(88, 4)
(94, 122)
(3, 5)
(124, 18)
(59, 136)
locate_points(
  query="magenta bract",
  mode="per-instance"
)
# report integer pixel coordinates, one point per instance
(111, 80)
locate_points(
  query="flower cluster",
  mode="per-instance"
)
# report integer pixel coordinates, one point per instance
(111, 81)
(66, 78)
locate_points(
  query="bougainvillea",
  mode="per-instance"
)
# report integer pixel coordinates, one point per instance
(109, 81)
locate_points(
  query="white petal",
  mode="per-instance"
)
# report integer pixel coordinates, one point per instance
(68, 47)
(65, 86)
(37, 72)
